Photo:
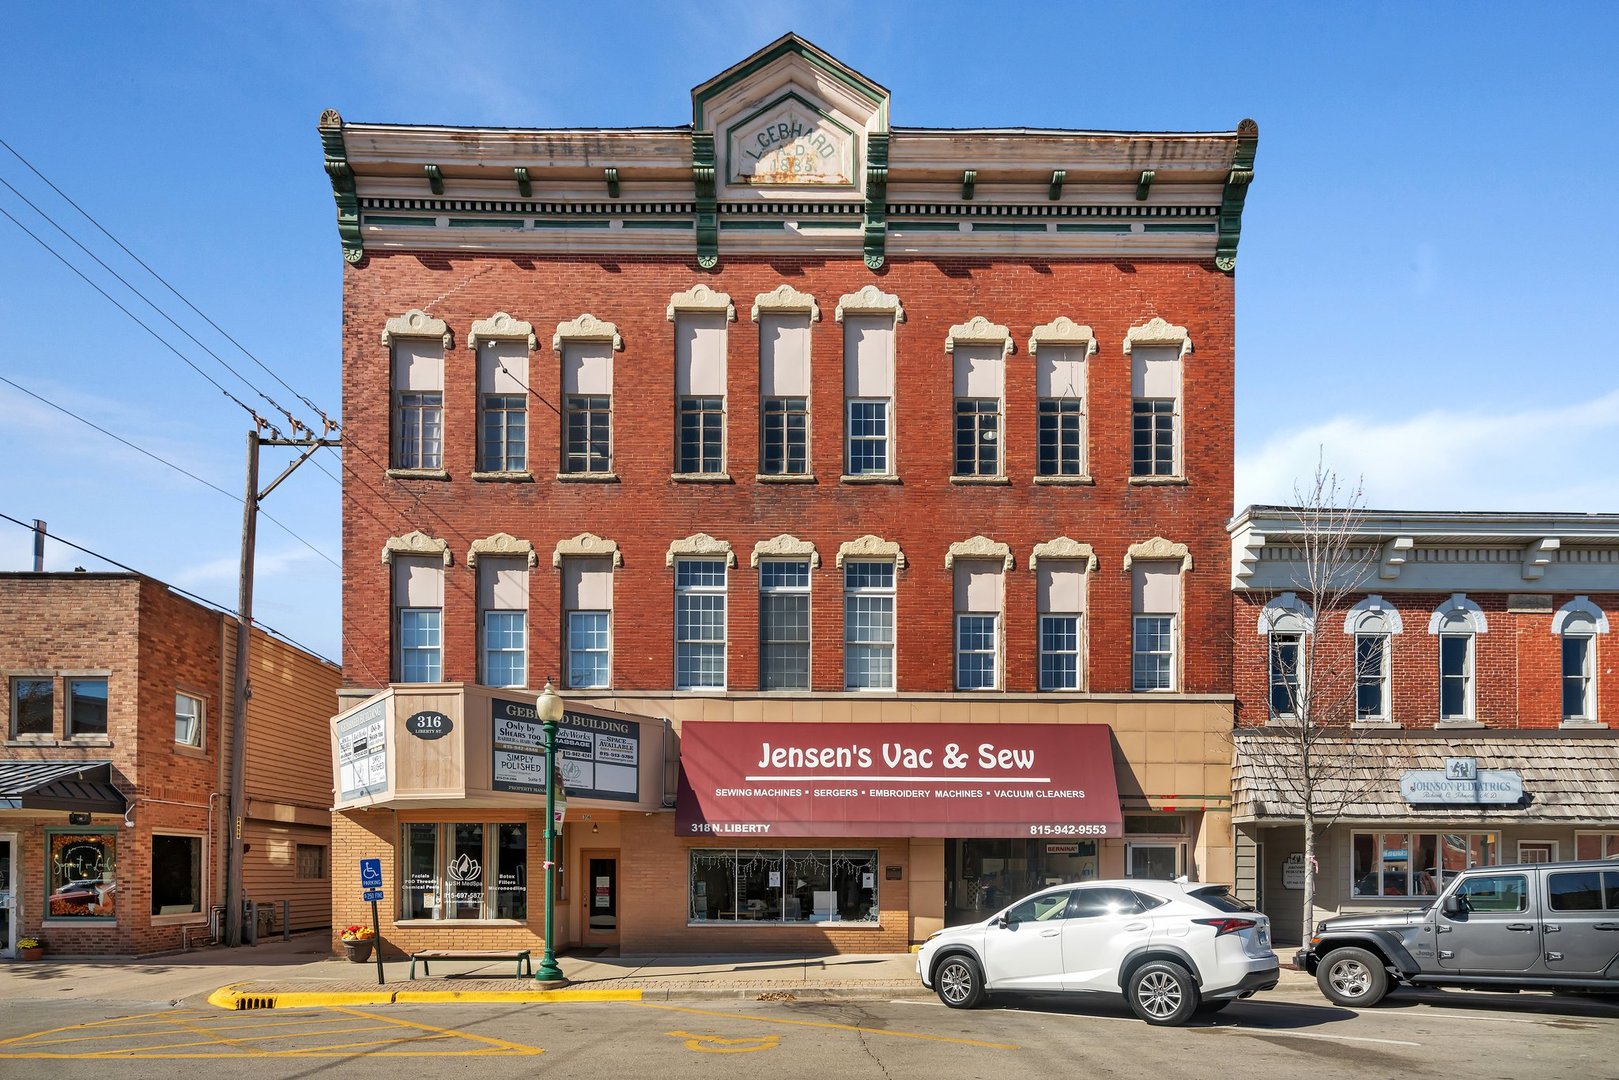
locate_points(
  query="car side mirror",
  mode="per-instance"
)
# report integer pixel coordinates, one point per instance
(1453, 905)
(1006, 921)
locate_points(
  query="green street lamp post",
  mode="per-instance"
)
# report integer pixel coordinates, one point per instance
(549, 708)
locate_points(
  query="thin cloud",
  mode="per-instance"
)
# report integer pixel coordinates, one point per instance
(266, 566)
(1532, 460)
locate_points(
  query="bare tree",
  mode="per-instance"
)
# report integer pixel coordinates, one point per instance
(1308, 749)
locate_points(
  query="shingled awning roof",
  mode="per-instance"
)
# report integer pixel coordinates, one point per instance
(83, 786)
(1568, 780)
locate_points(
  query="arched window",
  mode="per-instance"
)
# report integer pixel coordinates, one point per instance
(1372, 622)
(1456, 623)
(1286, 621)
(1578, 622)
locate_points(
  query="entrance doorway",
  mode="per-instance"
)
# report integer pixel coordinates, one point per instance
(601, 898)
(983, 876)
(8, 896)
(1160, 862)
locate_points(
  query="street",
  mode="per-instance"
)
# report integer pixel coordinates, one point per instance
(1442, 1034)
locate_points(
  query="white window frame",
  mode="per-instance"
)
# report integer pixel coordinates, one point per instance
(1607, 839)
(891, 593)
(199, 718)
(607, 652)
(1078, 651)
(1299, 641)
(1174, 636)
(486, 650)
(993, 652)
(1382, 676)
(693, 592)
(401, 650)
(1467, 676)
(886, 441)
(788, 590)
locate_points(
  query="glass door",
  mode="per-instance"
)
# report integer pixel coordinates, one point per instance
(1159, 862)
(601, 894)
(8, 898)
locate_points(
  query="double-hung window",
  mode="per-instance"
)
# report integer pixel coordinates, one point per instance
(784, 368)
(700, 393)
(1286, 676)
(1060, 375)
(587, 601)
(978, 371)
(503, 405)
(189, 716)
(700, 624)
(1371, 676)
(784, 624)
(503, 609)
(1155, 617)
(587, 346)
(1577, 624)
(868, 388)
(1456, 672)
(418, 394)
(1061, 587)
(1155, 380)
(979, 589)
(868, 625)
(418, 597)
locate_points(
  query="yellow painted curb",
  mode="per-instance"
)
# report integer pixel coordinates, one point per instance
(493, 996)
(229, 997)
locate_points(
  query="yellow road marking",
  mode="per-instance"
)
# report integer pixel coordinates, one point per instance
(499, 1043)
(700, 1043)
(222, 1042)
(166, 1014)
(831, 1027)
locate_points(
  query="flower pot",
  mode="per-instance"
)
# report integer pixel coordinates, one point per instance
(36, 953)
(358, 952)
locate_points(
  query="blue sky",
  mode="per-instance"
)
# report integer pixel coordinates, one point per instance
(1426, 283)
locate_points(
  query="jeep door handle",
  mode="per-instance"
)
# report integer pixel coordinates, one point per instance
(1520, 926)
(1607, 926)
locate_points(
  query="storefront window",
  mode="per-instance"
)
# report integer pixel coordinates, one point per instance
(793, 886)
(1596, 845)
(176, 875)
(1416, 864)
(466, 870)
(81, 881)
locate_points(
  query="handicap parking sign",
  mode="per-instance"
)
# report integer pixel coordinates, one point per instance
(371, 895)
(370, 873)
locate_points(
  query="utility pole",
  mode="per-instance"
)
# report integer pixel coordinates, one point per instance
(244, 626)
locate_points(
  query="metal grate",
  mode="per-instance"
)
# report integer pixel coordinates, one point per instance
(243, 1003)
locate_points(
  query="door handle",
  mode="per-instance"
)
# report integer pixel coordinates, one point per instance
(1050, 933)
(1520, 926)
(1607, 926)
(1135, 926)
(1551, 928)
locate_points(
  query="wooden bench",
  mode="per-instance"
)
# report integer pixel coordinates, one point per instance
(520, 956)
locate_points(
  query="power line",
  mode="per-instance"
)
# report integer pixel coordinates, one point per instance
(164, 461)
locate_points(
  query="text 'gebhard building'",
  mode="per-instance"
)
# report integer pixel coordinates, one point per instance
(863, 488)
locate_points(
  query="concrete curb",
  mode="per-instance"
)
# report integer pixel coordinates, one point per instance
(232, 997)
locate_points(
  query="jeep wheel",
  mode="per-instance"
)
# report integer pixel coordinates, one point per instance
(1352, 977)
(959, 982)
(1162, 992)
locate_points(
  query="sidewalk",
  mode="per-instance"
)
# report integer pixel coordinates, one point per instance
(300, 974)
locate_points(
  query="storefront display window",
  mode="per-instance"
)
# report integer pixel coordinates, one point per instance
(783, 886)
(81, 880)
(448, 866)
(176, 875)
(1416, 864)
(1596, 845)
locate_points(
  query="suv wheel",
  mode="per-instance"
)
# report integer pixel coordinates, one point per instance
(959, 982)
(1352, 977)
(1162, 992)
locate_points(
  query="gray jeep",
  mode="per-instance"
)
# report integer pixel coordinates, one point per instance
(1543, 926)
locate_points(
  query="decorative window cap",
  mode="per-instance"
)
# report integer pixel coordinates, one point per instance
(785, 546)
(870, 300)
(1157, 549)
(786, 298)
(871, 547)
(501, 327)
(415, 543)
(978, 547)
(502, 545)
(1372, 608)
(1459, 604)
(586, 328)
(1156, 331)
(1063, 331)
(416, 323)
(1585, 616)
(1063, 548)
(979, 331)
(586, 545)
(702, 298)
(698, 545)
(1286, 613)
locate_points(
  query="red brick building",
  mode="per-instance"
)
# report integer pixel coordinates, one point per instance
(1467, 688)
(846, 435)
(114, 772)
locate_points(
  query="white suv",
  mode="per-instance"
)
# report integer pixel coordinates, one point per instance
(1172, 949)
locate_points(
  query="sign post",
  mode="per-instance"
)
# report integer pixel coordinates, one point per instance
(371, 891)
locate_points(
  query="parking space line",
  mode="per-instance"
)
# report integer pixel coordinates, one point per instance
(831, 1027)
(499, 1044)
(221, 1042)
(1279, 1034)
(165, 1015)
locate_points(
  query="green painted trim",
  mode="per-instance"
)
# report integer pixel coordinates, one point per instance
(969, 180)
(707, 199)
(755, 226)
(1121, 228)
(1055, 191)
(875, 226)
(341, 175)
(1180, 227)
(525, 186)
(1235, 195)
(1008, 226)
(1144, 185)
(926, 226)
(611, 175)
(815, 57)
(633, 224)
(435, 178)
(486, 223)
(413, 222)
(571, 223)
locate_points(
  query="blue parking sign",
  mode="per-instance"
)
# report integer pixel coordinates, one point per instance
(370, 873)
(371, 895)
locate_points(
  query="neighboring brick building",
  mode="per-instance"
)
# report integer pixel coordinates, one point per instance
(1473, 642)
(914, 429)
(114, 771)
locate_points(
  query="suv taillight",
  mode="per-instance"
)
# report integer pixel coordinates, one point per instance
(1227, 925)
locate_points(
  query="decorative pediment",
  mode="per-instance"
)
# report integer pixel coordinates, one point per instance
(586, 545)
(586, 328)
(416, 323)
(501, 327)
(791, 141)
(871, 547)
(1158, 549)
(979, 331)
(1063, 548)
(786, 298)
(785, 546)
(415, 543)
(702, 298)
(1063, 331)
(870, 300)
(978, 547)
(700, 544)
(1156, 331)
(502, 544)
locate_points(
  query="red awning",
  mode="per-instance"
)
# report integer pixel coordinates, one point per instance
(958, 780)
